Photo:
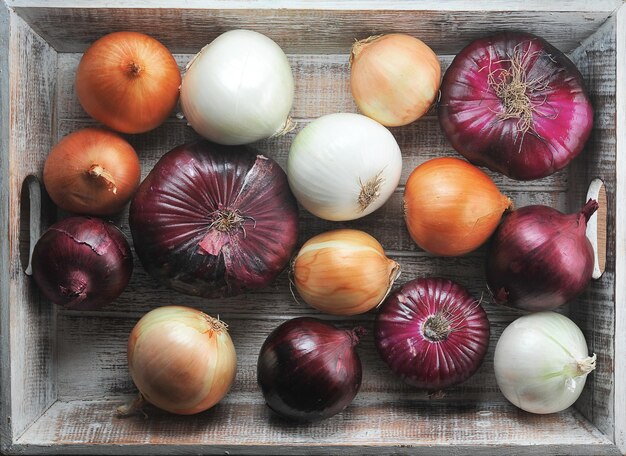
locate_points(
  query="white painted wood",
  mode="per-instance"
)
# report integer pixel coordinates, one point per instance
(620, 238)
(607, 6)
(306, 31)
(594, 310)
(388, 416)
(6, 430)
(30, 329)
(372, 425)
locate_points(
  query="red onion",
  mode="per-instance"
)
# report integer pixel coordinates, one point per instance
(432, 333)
(82, 263)
(214, 221)
(540, 258)
(515, 104)
(309, 370)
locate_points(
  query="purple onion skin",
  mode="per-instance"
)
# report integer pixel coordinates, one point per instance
(174, 216)
(471, 112)
(539, 258)
(432, 333)
(308, 370)
(82, 263)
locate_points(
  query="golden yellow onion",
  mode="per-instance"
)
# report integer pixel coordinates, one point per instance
(181, 359)
(394, 78)
(344, 272)
(451, 207)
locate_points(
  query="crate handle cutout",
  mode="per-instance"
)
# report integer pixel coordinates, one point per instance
(30, 220)
(596, 227)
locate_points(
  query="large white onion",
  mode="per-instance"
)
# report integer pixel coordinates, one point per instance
(541, 362)
(238, 89)
(343, 166)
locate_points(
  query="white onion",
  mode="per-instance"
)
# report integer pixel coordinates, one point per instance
(541, 362)
(343, 166)
(238, 89)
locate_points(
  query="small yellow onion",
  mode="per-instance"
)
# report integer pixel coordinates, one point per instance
(344, 272)
(181, 359)
(451, 207)
(394, 78)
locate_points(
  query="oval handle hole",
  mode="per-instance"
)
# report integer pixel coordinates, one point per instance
(596, 227)
(30, 220)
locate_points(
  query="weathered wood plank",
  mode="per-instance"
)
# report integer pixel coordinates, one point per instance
(92, 358)
(594, 311)
(30, 320)
(418, 142)
(6, 430)
(369, 426)
(325, 31)
(387, 416)
(620, 237)
(423, 5)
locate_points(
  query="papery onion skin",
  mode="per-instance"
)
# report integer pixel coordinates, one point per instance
(82, 263)
(92, 171)
(451, 207)
(432, 333)
(214, 221)
(394, 78)
(530, 142)
(540, 258)
(343, 272)
(238, 89)
(541, 362)
(181, 360)
(309, 370)
(128, 81)
(343, 166)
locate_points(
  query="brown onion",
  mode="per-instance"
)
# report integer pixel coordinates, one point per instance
(394, 78)
(344, 272)
(128, 81)
(181, 360)
(451, 207)
(92, 171)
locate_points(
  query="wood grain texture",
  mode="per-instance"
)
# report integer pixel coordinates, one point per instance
(320, 31)
(6, 430)
(32, 78)
(620, 237)
(369, 426)
(594, 310)
(81, 355)
(607, 6)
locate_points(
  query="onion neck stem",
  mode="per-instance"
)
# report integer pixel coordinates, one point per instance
(359, 45)
(98, 172)
(585, 366)
(133, 407)
(589, 209)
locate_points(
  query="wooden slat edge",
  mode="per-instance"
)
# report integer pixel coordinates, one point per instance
(620, 241)
(607, 6)
(605, 448)
(6, 431)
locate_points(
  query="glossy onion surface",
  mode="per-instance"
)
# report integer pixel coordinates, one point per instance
(432, 333)
(214, 221)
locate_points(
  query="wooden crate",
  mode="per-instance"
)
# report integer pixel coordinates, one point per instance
(64, 372)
